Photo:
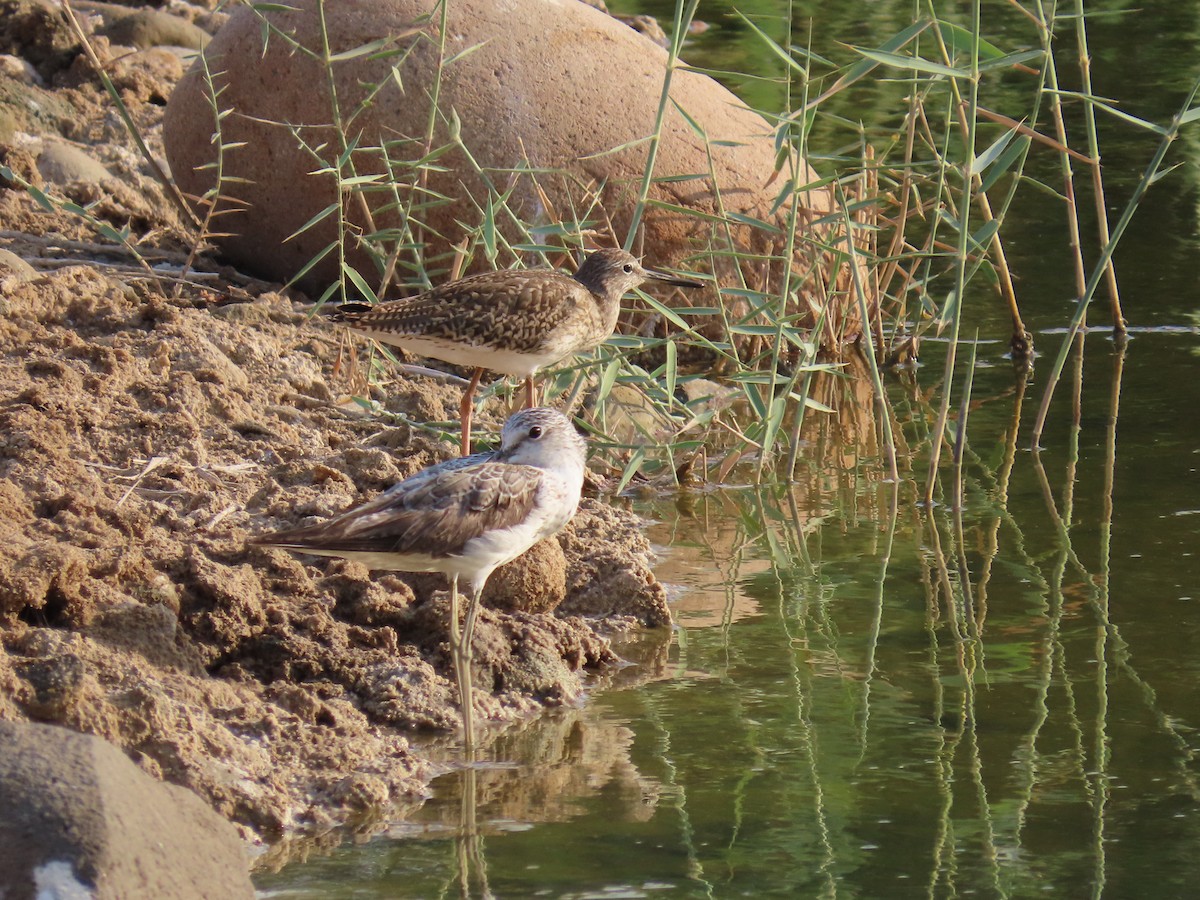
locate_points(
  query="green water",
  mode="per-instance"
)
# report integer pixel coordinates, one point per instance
(868, 698)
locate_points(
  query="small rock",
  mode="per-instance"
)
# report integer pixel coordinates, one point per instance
(81, 820)
(64, 164)
(20, 70)
(535, 582)
(647, 26)
(704, 395)
(151, 28)
(57, 685)
(12, 266)
(208, 363)
(605, 558)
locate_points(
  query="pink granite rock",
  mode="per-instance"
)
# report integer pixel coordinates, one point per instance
(534, 84)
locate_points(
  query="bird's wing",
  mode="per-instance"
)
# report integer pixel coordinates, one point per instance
(434, 513)
(517, 307)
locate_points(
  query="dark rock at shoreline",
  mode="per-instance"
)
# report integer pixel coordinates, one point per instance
(80, 819)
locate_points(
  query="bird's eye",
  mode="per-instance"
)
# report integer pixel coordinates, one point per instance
(628, 268)
(535, 432)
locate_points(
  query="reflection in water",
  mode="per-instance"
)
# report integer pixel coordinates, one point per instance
(528, 774)
(564, 759)
(705, 551)
(1003, 767)
(468, 842)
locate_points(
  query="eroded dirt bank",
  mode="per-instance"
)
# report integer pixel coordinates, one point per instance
(141, 441)
(147, 427)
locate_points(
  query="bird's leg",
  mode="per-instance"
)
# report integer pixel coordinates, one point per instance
(464, 660)
(464, 411)
(529, 404)
(468, 849)
(462, 667)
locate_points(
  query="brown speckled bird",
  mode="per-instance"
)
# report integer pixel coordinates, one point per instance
(515, 321)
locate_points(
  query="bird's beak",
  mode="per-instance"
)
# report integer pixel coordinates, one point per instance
(673, 279)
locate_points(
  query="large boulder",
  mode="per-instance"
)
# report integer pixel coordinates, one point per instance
(555, 102)
(80, 820)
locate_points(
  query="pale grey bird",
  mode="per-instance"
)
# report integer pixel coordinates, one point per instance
(515, 321)
(463, 518)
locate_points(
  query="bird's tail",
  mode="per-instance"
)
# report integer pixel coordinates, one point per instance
(300, 538)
